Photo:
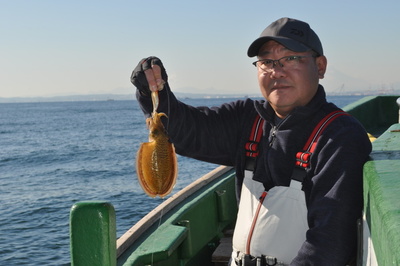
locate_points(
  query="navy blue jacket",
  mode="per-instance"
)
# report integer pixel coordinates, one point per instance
(333, 185)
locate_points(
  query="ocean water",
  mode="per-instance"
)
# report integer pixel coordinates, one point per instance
(54, 154)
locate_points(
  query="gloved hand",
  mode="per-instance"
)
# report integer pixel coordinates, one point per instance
(149, 75)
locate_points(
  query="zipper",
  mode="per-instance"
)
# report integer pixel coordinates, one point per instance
(255, 218)
(275, 129)
(273, 135)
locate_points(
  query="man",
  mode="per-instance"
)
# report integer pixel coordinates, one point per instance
(307, 223)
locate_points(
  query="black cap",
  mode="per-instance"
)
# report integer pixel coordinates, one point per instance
(294, 34)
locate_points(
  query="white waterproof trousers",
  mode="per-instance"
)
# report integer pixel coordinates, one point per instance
(272, 223)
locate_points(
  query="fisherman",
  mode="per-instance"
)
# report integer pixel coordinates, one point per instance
(287, 214)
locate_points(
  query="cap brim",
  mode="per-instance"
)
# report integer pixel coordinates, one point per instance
(288, 43)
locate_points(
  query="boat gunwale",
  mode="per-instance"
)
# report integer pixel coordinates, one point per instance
(136, 231)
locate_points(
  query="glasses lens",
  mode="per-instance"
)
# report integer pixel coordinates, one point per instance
(266, 64)
(289, 62)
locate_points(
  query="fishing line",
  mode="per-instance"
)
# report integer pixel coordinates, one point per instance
(158, 226)
(168, 104)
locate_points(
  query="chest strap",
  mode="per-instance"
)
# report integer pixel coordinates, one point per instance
(302, 157)
(251, 146)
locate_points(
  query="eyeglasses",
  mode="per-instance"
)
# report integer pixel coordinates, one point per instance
(289, 62)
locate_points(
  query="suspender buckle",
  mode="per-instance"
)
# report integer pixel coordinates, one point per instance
(248, 260)
(302, 158)
(270, 261)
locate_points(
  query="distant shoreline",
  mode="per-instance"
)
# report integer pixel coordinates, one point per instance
(122, 97)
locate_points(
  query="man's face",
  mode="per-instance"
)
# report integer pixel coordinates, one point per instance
(286, 89)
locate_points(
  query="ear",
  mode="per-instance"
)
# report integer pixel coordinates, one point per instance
(322, 63)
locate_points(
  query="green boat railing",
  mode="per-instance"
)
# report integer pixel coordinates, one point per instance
(376, 113)
(93, 234)
(181, 240)
(382, 200)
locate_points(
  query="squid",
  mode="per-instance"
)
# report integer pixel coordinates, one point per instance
(156, 162)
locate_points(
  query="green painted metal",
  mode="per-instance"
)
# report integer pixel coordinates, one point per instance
(190, 232)
(93, 234)
(376, 113)
(382, 196)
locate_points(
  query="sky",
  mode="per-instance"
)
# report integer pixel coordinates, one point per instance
(60, 48)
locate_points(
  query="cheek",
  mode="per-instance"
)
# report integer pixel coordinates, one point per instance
(263, 79)
(264, 84)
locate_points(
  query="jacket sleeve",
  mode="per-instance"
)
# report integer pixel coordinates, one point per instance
(335, 194)
(207, 134)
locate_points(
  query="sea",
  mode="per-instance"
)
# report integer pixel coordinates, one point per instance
(55, 154)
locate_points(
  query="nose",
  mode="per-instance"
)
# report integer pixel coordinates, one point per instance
(277, 71)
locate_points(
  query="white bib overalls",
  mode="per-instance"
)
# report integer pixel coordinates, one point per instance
(272, 223)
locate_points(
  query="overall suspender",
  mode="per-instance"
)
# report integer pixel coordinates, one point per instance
(251, 146)
(302, 157)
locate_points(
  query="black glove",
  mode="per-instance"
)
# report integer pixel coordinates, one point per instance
(138, 78)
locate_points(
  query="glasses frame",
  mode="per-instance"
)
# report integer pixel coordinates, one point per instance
(279, 61)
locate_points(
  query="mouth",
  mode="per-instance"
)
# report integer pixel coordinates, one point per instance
(280, 87)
